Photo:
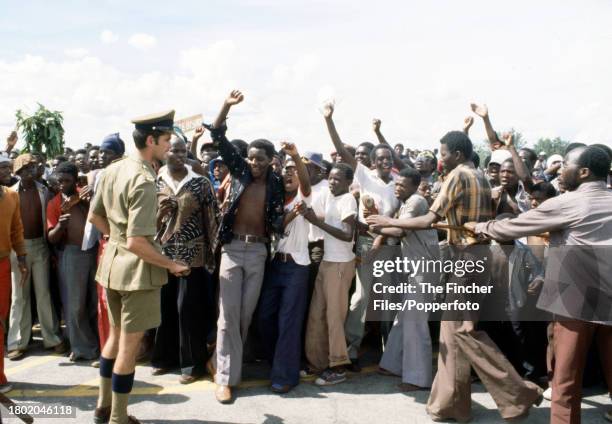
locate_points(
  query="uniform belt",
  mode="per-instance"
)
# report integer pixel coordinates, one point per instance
(283, 257)
(248, 238)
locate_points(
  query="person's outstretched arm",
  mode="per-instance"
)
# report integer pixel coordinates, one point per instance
(235, 163)
(521, 169)
(397, 161)
(328, 111)
(483, 112)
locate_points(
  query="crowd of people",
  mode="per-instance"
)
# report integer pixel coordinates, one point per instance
(189, 253)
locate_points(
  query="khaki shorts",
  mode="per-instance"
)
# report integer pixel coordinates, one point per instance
(134, 311)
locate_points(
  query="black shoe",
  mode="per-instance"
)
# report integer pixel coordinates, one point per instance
(354, 366)
(102, 415)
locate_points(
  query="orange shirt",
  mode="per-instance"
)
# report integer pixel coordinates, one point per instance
(11, 228)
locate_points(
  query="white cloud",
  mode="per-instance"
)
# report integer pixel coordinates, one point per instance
(142, 41)
(108, 37)
(76, 52)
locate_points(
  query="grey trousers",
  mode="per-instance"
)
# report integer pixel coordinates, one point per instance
(80, 300)
(408, 351)
(355, 321)
(20, 321)
(241, 275)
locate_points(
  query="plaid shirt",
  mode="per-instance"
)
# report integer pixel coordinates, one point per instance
(465, 196)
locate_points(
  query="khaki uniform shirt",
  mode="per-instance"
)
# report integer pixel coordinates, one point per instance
(126, 196)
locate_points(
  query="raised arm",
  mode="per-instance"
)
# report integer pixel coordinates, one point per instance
(235, 163)
(467, 124)
(193, 147)
(483, 112)
(397, 161)
(328, 111)
(303, 177)
(521, 169)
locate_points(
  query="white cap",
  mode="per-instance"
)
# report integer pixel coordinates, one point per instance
(542, 154)
(499, 156)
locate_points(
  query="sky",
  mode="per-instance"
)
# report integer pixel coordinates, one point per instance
(543, 68)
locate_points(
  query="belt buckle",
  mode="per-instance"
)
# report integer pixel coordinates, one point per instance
(250, 239)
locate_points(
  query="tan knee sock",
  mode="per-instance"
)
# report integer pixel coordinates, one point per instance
(105, 393)
(119, 413)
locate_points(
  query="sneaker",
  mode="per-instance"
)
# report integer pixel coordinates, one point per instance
(6, 387)
(329, 377)
(547, 394)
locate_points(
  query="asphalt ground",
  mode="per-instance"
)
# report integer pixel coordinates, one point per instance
(45, 379)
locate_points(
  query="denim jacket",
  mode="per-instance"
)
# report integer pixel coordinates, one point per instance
(241, 177)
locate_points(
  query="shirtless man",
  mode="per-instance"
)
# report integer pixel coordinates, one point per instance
(254, 213)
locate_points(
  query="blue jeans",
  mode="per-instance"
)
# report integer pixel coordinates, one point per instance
(282, 307)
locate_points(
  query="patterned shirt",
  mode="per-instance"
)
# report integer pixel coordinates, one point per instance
(189, 234)
(241, 177)
(465, 196)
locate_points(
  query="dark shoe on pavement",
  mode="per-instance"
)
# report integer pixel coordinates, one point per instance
(329, 377)
(102, 415)
(223, 394)
(280, 388)
(61, 348)
(307, 372)
(13, 355)
(354, 366)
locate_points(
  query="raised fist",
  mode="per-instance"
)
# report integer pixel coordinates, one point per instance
(234, 98)
(480, 110)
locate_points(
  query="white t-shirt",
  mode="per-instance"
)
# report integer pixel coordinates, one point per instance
(383, 193)
(315, 232)
(295, 240)
(336, 209)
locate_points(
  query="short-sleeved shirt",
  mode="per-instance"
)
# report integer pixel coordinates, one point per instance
(126, 196)
(295, 240)
(336, 210)
(381, 192)
(465, 196)
(417, 244)
(315, 232)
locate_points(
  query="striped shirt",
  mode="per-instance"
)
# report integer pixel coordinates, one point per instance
(465, 196)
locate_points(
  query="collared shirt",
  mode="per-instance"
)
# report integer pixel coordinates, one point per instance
(189, 234)
(241, 177)
(383, 193)
(580, 226)
(317, 190)
(127, 197)
(465, 196)
(11, 228)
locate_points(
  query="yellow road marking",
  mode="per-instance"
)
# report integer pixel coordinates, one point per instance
(90, 388)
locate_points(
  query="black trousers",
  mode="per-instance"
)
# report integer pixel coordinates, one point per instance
(180, 340)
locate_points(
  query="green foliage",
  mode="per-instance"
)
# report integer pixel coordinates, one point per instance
(551, 146)
(43, 131)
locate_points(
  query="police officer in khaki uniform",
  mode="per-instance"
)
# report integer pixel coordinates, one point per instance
(132, 269)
